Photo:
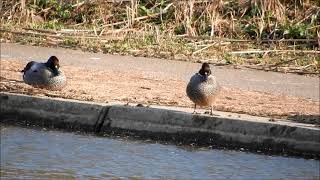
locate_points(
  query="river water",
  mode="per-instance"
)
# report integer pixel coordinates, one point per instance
(41, 154)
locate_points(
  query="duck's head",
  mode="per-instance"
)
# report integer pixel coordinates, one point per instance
(205, 70)
(53, 64)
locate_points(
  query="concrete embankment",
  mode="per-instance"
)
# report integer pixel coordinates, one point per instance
(226, 130)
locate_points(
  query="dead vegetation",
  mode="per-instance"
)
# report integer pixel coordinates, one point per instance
(275, 35)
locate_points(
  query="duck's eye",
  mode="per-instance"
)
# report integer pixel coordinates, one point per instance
(56, 66)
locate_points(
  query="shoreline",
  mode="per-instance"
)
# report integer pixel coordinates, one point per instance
(162, 124)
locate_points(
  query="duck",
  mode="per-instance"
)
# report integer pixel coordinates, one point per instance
(203, 88)
(44, 75)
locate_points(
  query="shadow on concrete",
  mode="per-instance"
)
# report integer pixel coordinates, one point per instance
(309, 119)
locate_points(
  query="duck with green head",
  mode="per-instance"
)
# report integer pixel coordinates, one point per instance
(44, 75)
(203, 88)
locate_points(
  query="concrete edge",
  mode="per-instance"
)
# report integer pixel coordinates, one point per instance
(163, 124)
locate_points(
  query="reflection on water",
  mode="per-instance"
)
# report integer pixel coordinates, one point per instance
(36, 154)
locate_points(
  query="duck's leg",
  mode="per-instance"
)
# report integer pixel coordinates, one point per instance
(194, 110)
(211, 112)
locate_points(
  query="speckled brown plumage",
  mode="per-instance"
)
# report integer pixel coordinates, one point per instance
(203, 87)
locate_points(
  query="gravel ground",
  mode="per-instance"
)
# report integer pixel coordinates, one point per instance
(99, 85)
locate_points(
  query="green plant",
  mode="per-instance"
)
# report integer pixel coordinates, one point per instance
(70, 42)
(228, 58)
(296, 32)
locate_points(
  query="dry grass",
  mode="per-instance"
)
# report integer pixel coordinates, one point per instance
(255, 19)
(184, 30)
(148, 88)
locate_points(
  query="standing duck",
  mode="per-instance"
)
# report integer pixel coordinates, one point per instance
(203, 88)
(44, 75)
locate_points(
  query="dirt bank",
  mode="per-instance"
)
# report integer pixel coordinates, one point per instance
(149, 88)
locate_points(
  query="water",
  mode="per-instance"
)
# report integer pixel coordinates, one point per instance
(38, 154)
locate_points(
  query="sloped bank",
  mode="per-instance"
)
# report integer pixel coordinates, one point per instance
(252, 133)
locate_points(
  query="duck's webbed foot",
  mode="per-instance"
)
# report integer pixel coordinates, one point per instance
(194, 112)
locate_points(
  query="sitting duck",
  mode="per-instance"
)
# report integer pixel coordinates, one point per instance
(203, 88)
(44, 75)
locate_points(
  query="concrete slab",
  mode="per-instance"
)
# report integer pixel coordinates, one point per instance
(163, 123)
(58, 113)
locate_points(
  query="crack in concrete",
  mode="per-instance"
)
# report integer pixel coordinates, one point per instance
(102, 117)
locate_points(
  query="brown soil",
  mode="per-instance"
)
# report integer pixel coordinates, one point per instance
(149, 88)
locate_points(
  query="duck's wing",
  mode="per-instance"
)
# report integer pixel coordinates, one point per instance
(194, 88)
(196, 79)
(35, 73)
